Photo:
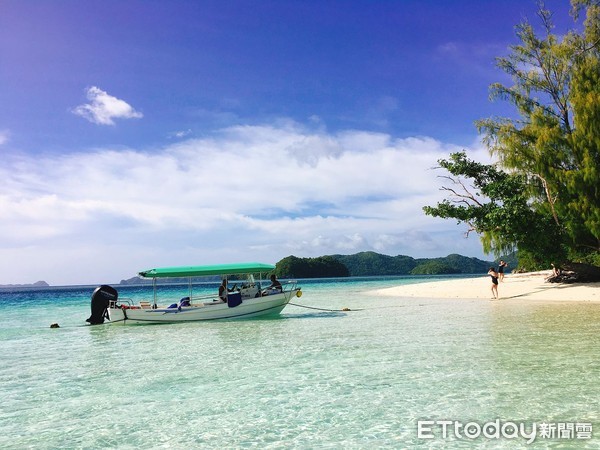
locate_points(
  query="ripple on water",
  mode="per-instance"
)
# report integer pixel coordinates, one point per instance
(308, 379)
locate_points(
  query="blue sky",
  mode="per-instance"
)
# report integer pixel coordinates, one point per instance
(137, 134)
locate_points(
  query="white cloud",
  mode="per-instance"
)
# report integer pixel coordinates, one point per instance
(4, 136)
(180, 134)
(473, 57)
(247, 193)
(104, 108)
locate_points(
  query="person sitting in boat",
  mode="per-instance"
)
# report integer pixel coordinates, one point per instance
(223, 290)
(275, 287)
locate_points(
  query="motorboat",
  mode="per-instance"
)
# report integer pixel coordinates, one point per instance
(246, 299)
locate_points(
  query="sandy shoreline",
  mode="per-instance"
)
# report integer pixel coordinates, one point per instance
(527, 286)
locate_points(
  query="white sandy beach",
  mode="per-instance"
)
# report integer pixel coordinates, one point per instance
(527, 286)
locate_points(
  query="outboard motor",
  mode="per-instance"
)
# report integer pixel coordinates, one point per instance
(101, 298)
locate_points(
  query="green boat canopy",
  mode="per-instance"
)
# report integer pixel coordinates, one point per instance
(200, 271)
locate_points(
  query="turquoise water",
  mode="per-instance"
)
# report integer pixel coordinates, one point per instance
(308, 379)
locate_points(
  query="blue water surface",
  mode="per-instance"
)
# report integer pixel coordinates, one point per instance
(310, 378)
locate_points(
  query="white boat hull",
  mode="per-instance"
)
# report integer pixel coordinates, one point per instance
(250, 307)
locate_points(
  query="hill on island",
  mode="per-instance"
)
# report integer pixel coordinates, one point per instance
(39, 284)
(376, 264)
(358, 265)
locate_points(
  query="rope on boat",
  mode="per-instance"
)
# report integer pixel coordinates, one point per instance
(325, 309)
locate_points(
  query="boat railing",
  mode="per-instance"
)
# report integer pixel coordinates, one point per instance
(291, 284)
(247, 291)
(200, 300)
(121, 301)
(195, 299)
(286, 286)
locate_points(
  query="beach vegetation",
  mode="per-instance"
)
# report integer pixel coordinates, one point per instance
(496, 205)
(320, 267)
(543, 197)
(434, 268)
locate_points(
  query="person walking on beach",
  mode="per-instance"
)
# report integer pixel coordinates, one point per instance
(501, 266)
(494, 275)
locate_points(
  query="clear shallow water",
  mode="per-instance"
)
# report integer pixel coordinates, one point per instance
(308, 379)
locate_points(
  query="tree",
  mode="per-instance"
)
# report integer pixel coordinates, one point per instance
(371, 263)
(495, 204)
(320, 267)
(585, 97)
(546, 201)
(434, 268)
(554, 145)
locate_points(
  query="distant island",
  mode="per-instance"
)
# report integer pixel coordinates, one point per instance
(357, 265)
(376, 264)
(362, 264)
(36, 284)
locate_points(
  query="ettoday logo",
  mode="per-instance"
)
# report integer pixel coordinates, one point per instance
(496, 429)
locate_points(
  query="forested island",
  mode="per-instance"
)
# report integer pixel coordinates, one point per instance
(376, 264)
(362, 264)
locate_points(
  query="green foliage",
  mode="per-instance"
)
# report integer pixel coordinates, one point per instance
(583, 185)
(495, 204)
(464, 264)
(375, 264)
(546, 203)
(433, 268)
(321, 267)
(371, 263)
(555, 142)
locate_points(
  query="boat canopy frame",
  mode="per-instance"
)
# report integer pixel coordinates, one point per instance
(200, 271)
